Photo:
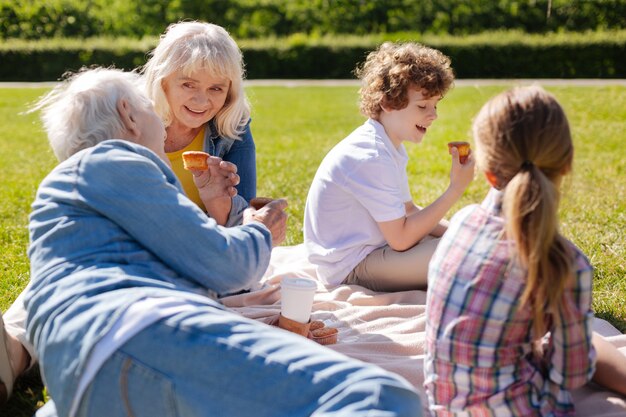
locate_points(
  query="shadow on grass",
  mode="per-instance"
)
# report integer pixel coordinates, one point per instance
(27, 397)
(617, 321)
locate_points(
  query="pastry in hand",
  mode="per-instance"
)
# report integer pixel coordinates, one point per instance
(259, 202)
(195, 160)
(462, 147)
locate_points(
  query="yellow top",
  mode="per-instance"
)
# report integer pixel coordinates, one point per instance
(185, 177)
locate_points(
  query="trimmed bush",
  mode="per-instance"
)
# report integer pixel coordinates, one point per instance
(491, 55)
(36, 19)
(48, 59)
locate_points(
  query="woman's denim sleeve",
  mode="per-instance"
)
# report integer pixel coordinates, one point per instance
(235, 217)
(243, 154)
(133, 192)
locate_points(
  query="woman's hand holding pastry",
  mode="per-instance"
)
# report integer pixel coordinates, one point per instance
(219, 180)
(216, 187)
(273, 216)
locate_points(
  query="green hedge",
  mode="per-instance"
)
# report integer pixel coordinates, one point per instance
(491, 55)
(36, 19)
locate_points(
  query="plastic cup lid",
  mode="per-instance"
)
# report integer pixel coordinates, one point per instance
(298, 283)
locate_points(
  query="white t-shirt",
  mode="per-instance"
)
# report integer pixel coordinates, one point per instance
(362, 181)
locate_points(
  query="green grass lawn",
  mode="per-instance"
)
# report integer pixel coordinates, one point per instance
(295, 127)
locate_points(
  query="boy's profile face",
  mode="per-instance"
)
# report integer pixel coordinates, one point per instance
(412, 122)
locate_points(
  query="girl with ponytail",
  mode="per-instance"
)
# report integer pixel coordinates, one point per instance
(509, 320)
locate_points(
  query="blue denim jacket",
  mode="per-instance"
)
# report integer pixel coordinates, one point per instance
(242, 153)
(110, 226)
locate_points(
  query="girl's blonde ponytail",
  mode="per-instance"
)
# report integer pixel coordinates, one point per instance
(523, 140)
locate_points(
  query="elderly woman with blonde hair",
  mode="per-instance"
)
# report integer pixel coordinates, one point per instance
(124, 274)
(195, 79)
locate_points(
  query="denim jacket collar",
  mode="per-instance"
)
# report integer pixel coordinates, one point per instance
(215, 144)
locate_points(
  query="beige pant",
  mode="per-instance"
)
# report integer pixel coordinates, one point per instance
(388, 270)
(15, 325)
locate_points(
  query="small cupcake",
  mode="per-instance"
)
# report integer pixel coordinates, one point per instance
(316, 324)
(325, 335)
(463, 148)
(195, 160)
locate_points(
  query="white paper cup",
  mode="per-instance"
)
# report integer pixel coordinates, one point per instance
(297, 298)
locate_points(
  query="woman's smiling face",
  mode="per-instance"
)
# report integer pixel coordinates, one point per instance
(196, 98)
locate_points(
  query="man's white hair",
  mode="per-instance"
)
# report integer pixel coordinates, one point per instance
(81, 111)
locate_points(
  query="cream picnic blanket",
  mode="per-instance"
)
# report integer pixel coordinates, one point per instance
(387, 329)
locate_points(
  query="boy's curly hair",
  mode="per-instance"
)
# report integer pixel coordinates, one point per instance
(389, 71)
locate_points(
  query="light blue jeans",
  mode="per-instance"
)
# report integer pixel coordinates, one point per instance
(217, 363)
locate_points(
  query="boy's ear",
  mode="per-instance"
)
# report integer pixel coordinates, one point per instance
(491, 179)
(384, 106)
(126, 116)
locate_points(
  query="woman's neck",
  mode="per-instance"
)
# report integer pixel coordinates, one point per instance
(179, 136)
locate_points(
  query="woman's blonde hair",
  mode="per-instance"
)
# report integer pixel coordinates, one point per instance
(191, 46)
(81, 111)
(523, 139)
(390, 70)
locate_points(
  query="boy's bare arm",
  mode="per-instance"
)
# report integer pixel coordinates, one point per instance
(441, 227)
(403, 233)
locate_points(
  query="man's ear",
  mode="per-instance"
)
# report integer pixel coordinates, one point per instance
(491, 179)
(126, 116)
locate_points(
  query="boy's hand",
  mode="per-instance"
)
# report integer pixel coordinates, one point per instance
(461, 175)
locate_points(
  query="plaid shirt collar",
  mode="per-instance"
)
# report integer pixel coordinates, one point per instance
(492, 204)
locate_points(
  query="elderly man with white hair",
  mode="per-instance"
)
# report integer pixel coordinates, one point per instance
(125, 270)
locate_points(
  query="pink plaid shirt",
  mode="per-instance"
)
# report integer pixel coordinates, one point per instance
(479, 359)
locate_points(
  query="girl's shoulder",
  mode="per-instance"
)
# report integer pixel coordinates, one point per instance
(581, 262)
(468, 212)
(466, 221)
